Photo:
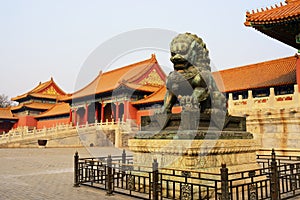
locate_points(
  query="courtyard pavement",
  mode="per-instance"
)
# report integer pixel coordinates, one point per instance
(47, 173)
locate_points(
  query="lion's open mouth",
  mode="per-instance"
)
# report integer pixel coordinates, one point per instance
(181, 65)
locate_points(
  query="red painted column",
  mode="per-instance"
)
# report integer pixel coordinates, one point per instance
(70, 119)
(96, 111)
(86, 113)
(102, 112)
(125, 110)
(117, 111)
(75, 116)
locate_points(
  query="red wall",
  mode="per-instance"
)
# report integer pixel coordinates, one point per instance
(132, 111)
(29, 121)
(52, 122)
(141, 113)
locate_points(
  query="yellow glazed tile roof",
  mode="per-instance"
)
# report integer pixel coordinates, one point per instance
(57, 109)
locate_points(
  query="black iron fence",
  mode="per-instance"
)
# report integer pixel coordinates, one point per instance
(278, 178)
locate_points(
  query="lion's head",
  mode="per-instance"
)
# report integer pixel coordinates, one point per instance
(188, 49)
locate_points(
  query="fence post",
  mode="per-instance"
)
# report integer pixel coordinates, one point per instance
(293, 179)
(109, 176)
(274, 178)
(155, 180)
(224, 183)
(76, 170)
(123, 162)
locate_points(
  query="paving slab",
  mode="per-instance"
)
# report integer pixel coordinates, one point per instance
(47, 173)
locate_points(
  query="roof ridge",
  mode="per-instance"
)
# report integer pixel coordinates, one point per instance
(276, 5)
(39, 87)
(146, 70)
(60, 90)
(98, 77)
(291, 1)
(131, 65)
(90, 83)
(260, 63)
(272, 7)
(42, 85)
(267, 8)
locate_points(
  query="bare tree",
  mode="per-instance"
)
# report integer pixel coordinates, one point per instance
(4, 101)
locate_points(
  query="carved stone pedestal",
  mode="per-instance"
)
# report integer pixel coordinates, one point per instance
(205, 147)
(203, 155)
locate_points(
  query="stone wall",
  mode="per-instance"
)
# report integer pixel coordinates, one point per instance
(274, 120)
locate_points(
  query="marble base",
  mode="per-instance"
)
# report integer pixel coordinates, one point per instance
(201, 155)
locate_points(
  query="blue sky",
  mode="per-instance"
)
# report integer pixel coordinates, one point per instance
(54, 38)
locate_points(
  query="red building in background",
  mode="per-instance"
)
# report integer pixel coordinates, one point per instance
(7, 120)
(129, 92)
(31, 104)
(110, 95)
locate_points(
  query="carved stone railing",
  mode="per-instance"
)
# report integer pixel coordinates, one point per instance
(64, 130)
(23, 133)
(288, 101)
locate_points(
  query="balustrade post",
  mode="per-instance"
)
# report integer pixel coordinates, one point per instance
(155, 180)
(109, 177)
(272, 99)
(224, 183)
(274, 178)
(296, 96)
(118, 137)
(230, 103)
(76, 170)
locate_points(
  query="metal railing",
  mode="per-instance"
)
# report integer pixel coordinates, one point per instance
(118, 174)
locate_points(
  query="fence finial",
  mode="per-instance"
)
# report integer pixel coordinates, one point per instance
(273, 154)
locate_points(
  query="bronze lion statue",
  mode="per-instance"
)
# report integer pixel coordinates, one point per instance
(191, 82)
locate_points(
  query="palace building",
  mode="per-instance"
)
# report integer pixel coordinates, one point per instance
(281, 22)
(34, 102)
(110, 95)
(108, 98)
(7, 120)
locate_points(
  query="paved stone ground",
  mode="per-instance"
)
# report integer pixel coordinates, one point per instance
(38, 174)
(42, 174)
